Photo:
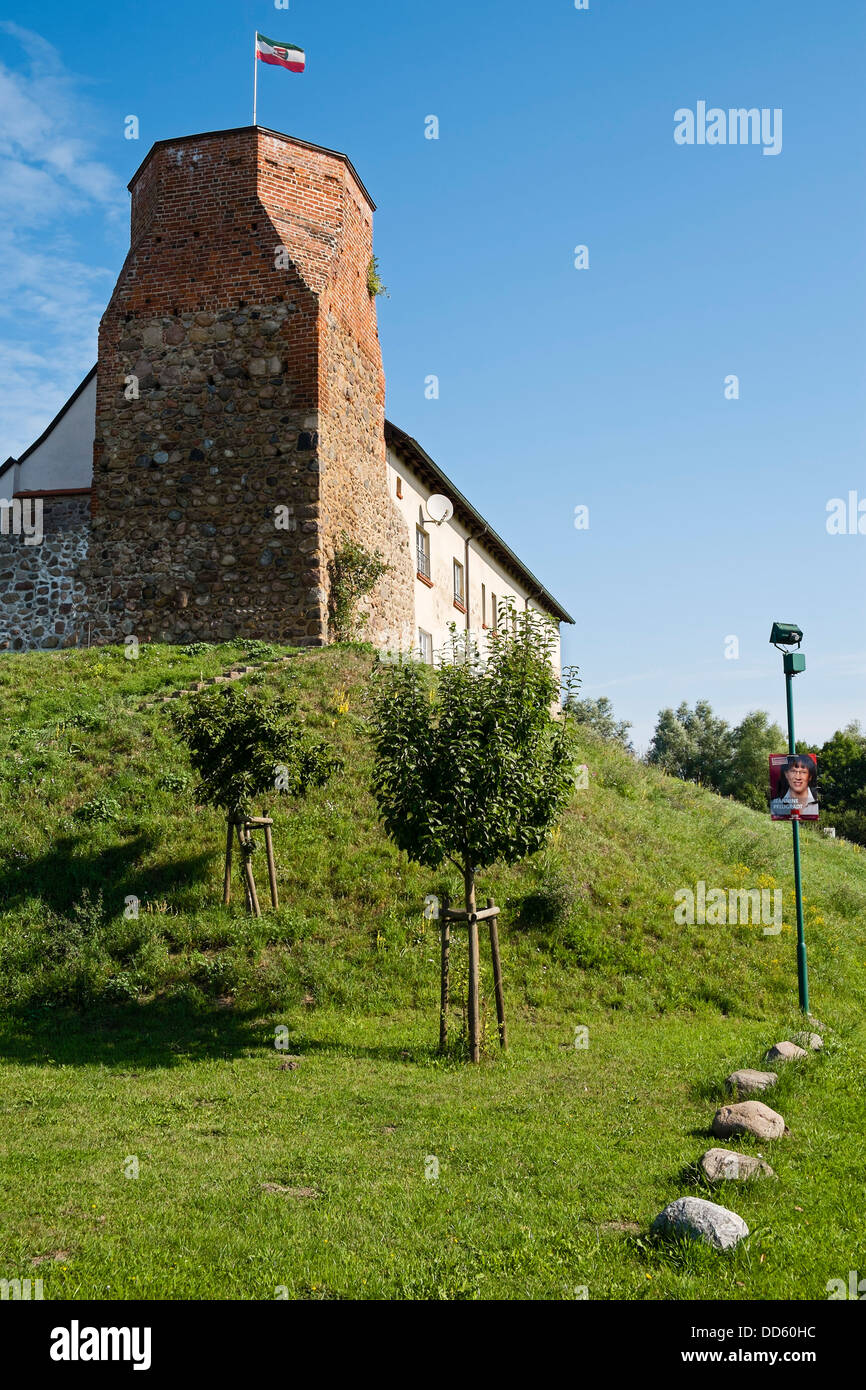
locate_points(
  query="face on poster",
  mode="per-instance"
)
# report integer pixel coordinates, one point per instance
(793, 785)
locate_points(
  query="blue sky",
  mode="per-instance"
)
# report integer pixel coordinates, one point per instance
(559, 387)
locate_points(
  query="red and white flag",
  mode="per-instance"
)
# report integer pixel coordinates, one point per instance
(282, 55)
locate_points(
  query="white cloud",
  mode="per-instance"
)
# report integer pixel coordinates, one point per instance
(51, 295)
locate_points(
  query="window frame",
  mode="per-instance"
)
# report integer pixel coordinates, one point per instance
(459, 593)
(423, 566)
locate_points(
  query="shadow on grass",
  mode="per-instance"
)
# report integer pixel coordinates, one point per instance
(160, 1033)
(427, 1054)
(692, 1175)
(167, 1032)
(72, 867)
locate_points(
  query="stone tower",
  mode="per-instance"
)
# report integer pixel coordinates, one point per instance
(240, 400)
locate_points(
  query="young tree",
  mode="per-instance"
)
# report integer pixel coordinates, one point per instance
(472, 764)
(244, 744)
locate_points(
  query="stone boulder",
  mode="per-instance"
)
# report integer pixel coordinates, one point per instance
(785, 1052)
(812, 1042)
(748, 1117)
(748, 1082)
(697, 1219)
(725, 1165)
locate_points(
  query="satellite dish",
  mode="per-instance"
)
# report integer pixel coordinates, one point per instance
(439, 508)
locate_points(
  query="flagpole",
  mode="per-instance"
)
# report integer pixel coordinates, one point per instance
(255, 73)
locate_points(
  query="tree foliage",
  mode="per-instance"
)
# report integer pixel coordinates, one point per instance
(697, 746)
(842, 770)
(471, 764)
(243, 745)
(752, 742)
(598, 715)
(693, 744)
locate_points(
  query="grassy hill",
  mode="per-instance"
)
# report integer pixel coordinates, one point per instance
(153, 1038)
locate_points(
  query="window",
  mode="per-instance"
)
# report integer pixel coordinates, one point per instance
(425, 645)
(399, 486)
(459, 591)
(493, 614)
(422, 552)
(483, 606)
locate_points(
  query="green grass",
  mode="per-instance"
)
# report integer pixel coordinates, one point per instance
(155, 1038)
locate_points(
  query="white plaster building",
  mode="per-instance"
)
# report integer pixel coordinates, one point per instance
(464, 570)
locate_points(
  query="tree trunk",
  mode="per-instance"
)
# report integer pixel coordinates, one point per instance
(474, 1030)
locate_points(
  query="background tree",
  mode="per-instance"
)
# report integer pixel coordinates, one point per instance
(471, 764)
(753, 740)
(598, 715)
(693, 744)
(842, 780)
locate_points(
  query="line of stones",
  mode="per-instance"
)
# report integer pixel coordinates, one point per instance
(697, 1219)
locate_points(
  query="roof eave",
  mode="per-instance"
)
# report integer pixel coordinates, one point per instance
(264, 130)
(58, 417)
(400, 440)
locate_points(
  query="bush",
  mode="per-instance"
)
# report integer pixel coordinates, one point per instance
(98, 809)
(552, 902)
(257, 650)
(172, 782)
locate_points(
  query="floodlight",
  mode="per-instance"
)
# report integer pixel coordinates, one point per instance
(786, 635)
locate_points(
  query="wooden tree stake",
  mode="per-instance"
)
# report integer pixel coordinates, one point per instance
(272, 868)
(445, 927)
(474, 1030)
(497, 978)
(245, 842)
(227, 879)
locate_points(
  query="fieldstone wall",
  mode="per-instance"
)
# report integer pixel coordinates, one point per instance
(355, 496)
(42, 597)
(207, 483)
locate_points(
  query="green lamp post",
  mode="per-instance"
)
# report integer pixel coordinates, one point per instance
(793, 662)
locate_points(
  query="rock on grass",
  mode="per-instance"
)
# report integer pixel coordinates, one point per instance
(726, 1165)
(697, 1219)
(785, 1052)
(747, 1082)
(748, 1117)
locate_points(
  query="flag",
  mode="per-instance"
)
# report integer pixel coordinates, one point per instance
(283, 55)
